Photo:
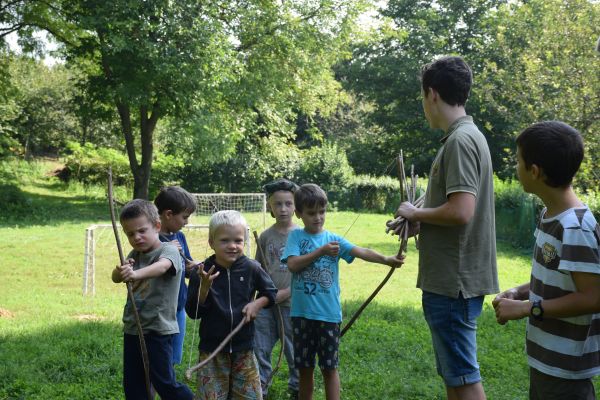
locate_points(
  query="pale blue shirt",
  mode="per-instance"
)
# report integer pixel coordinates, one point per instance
(316, 289)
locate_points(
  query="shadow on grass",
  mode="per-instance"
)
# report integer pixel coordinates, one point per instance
(55, 209)
(386, 355)
(78, 360)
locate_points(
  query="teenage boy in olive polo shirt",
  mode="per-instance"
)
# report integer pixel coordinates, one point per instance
(457, 246)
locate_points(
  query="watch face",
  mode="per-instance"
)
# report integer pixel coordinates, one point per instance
(536, 311)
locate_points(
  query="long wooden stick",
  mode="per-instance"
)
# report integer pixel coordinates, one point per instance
(281, 325)
(190, 371)
(138, 323)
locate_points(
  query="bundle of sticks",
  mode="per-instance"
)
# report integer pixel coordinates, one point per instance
(408, 192)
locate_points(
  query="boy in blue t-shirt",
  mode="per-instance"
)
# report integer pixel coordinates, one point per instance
(312, 255)
(175, 205)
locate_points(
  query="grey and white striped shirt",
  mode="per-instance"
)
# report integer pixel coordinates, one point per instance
(564, 347)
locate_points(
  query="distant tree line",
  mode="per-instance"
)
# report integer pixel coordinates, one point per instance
(238, 93)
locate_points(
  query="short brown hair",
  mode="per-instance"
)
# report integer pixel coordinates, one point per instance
(176, 199)
(555, 147)
(309, 195)
(137, 208)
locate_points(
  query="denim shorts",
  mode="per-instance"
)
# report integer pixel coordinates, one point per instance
(453, 326)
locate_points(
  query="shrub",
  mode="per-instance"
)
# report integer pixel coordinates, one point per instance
(328, 167)
(88, 164)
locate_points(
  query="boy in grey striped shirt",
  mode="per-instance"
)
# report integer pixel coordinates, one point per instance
(562, 299)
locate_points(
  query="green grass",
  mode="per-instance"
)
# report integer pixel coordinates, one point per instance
(57, 344)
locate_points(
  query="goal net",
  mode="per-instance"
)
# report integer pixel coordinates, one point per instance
(252, 205)
(101, 254)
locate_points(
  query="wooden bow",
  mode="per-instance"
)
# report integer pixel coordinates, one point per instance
(279, 315)
(402, 231)
(136, 315)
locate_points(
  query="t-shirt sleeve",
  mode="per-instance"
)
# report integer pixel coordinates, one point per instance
(171, 253)
(462, 166)
(580, 251)
(345, 249)
(292, 246)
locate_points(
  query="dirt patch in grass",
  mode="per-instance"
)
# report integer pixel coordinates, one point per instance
(4, 313)
(88, 317)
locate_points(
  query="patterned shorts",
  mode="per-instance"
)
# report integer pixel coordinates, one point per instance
(229, 376)
(315, 337)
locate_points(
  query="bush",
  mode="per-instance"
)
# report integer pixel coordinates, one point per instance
(328, 167)
(89, 164)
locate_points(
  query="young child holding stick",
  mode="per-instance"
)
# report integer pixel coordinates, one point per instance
(221, 293)
(562, 299)
(271, 243)
(155, 270)
(312, 255)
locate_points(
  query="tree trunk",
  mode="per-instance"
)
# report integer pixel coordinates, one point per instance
(141, 171)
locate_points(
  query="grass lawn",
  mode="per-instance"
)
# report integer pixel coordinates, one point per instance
(57, 344)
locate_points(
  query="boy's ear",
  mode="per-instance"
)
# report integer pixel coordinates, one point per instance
(210, 243)
(158, 225)
(270, 210)
(168, 213)
(536, 172)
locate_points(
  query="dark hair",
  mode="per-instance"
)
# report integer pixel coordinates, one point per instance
(309, 195)
(555, 147)
(176, 199)
(137, 208)
(450, 76)
(279, 184)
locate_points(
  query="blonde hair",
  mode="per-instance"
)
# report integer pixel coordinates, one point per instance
(229, 218)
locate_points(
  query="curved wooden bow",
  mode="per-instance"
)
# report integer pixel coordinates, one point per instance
(402, 232)
(279, 315)
(136, 315)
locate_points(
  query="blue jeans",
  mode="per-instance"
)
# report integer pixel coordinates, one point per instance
(178, 338)
(162, 374)
(267, 332)
(453, 326)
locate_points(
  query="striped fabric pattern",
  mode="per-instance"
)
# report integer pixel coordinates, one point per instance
(564, 347)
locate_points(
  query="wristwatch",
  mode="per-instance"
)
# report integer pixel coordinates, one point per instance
(537, 311)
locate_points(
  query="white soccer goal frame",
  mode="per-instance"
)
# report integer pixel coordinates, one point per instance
(261, 196)
(89, 262)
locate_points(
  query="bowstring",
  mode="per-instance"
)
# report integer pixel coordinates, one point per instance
(388, 168)
(196, 325)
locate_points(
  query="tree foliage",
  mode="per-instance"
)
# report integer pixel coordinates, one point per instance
(532, 60)
(251, 63)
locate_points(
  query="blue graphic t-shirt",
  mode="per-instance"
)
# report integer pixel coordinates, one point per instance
(316, 289)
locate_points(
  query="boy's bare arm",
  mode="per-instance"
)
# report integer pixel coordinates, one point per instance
(251, 309)
(116, 272)
(586, 300)
(298, 263)
(458, 210)
(151, 271)
(283, 295)
(375, 257)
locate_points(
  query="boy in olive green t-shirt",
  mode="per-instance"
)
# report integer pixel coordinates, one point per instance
(457, 244)
(155, 270)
